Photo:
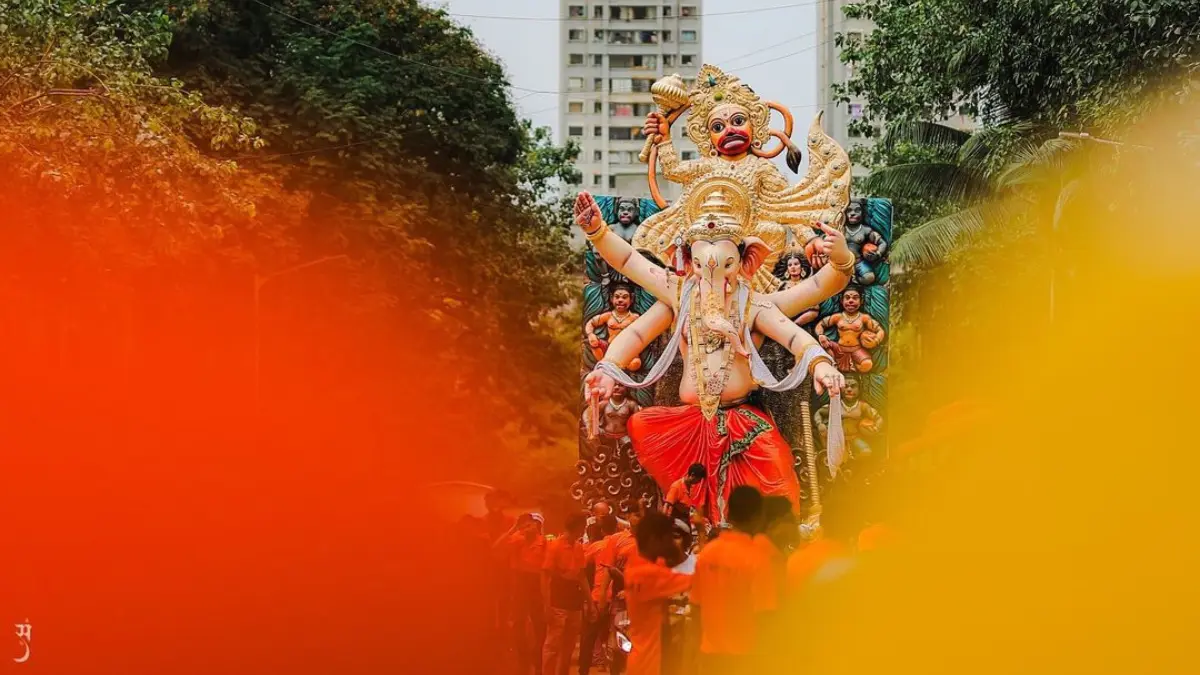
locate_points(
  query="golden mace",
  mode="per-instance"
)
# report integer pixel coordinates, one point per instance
(671, 96)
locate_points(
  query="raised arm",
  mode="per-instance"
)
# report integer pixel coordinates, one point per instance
(620, 254)
(629, 344)
(826, 283)
(673, 169)
(771, 322)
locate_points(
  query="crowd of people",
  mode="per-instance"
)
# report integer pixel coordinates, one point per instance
(665, 591)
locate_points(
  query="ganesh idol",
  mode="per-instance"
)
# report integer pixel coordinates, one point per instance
(718, 320)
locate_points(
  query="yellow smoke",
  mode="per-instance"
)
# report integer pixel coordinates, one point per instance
(1050, 519)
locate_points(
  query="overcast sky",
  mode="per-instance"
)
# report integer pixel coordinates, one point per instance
(531, 52)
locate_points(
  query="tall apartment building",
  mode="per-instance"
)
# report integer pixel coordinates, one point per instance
(832, 20)
(613, 50)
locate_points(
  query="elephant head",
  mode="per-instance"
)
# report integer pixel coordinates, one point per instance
(719, 257)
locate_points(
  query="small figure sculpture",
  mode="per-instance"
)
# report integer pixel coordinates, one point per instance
(616, 413)
(796, 271)
(615, 321)
(859, 419)
(867, 245)
(628, 219)
(856, 333)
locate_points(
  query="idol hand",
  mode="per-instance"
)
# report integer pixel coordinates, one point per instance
(827, 378)
(599, 386)
(833, 246)
(587, 212)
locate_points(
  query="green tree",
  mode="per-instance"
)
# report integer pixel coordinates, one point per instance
(1092, 63)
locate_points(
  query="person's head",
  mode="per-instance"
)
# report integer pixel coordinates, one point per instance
(576, 524)
(682, 531)
(627, 211)
(781, 526)
(608, 525)
(530, 524)
(852, 298)
(695, 474)
(619, 391)
(745, 508)
(600, 508)
(841, 520)
(621, 297)
(656, 539)
(797, 266)
(851, 391)
(855, 211)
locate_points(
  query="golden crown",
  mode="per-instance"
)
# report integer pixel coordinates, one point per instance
(715, 88)
(718, 210)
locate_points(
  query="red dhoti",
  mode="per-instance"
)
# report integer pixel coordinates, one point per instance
(739, 446)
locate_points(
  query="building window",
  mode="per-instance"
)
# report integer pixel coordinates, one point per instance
(597, 107)
(598, 12)
(574, 84)
(687, 59)
(598, 84)
(597, 155)
(642, 86)
(575, 132)
(856, 111)
(597, 36)
(667, 36)
(619, 134)
(621, 85)
(612, 182)
(647, 37)
(575, 106)
(620, 110)
(598, 60)
(575, 35)
(648, 62)
(687, 10)
(576, 11)
(620, 37)
(687, 36)
(689, 155)
(854, 37)
(642, 13)
(598, 132)
(597, 180)
(575, 59)
(669, 60)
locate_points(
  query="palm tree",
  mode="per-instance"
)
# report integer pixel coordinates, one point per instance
(992, 175)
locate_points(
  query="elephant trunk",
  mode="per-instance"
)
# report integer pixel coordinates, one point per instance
(713, 295)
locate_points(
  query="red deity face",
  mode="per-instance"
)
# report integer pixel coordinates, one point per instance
(621, 300)
(851, 301)
(729, 130)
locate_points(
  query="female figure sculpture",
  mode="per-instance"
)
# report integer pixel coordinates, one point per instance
(796, 271)
(719, 321)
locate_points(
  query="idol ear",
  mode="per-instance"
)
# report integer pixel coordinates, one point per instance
(754, 254)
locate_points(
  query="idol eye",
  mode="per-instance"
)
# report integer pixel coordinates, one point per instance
(738, 120)
(718, 127)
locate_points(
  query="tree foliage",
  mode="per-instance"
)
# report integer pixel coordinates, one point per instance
(176, 150)
(1094, 63)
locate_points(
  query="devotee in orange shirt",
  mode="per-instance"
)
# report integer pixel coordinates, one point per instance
(525, 547)
(595, 628)
(649, 584)
(733, 589)
(565, 589)
(685, 493)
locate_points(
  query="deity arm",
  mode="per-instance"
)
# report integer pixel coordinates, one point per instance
(873, 415)
(623, 258)
(634, 339)
(820, 419)
(674, 169)
(589, 328)
(772, 323)
(880, 243)
(876, 330)
(825, 284)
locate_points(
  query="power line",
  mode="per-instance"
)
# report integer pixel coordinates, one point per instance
(770, 47)
(498, 17)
